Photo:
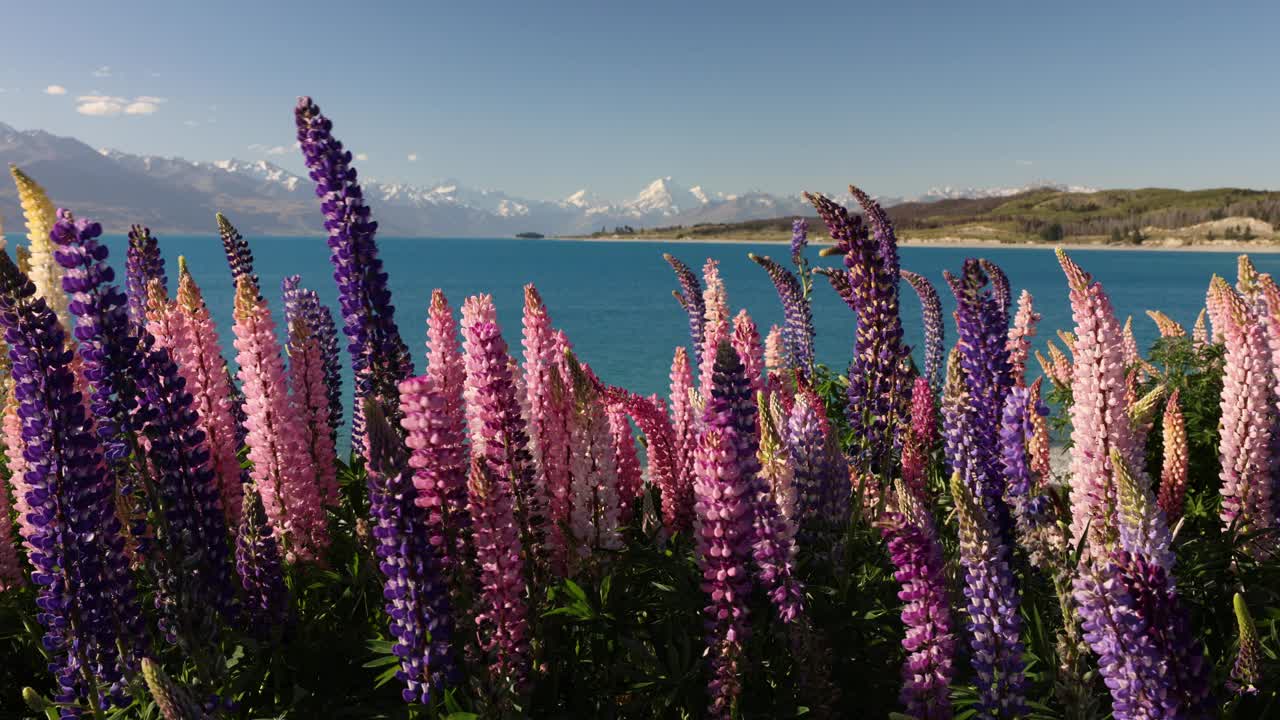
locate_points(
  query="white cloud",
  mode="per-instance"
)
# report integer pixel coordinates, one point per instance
(265, 150)
(102, 71)
(141, 107)
(111, 105)
(413, 157)
(1024, 162)
(191, 123)
(55, 90)
(359, 156)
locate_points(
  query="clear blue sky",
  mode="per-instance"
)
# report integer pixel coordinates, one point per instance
(541, 98)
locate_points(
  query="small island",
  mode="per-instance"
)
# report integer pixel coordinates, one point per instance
(530, 236)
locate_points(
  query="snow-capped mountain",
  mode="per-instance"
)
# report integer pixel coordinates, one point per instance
(948, 192)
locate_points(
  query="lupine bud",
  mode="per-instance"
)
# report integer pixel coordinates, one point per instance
(143, 266)
(303, 305)
(746, 341)
(799, 238)
(1020, 334)
(690, 298)
(797, 313)
(1199, 332)
(1166, 325)
(266, 599)
(717, 326)
(1246, 673)
(921, 435)
(934, 333)
(1001, 292)
(174, 701)
(236, 248)
(1039, 440)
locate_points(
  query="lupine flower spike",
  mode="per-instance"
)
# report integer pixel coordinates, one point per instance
(690, 298)
(44, 271)
(717, 326)
(1020, 334)
(1166, 325)
(797, 331)
(258, 562)
(143, 266)
(303, 305)
(1245, 673)
(548, 417)
(174, 700)
(934, 333)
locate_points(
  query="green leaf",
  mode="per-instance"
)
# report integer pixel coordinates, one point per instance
(382, 661)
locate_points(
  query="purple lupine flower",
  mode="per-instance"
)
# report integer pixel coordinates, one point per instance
(302, 304)
(236, 248)
(820, 479)
(143, 264)
(839, 279)
(690, 298)
(879, 390)
(797, 333)
(266, 598)
(1000, 289)
(417, 597)
(983, 333)
(994, 624)
(916, 554)
(85, 594)
(379, 358)
(934, 334)
(799, 239)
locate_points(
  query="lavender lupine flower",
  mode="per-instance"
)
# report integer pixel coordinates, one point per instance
(417, 597)
(1024, 491)
(502, 620)
(261, 571)
(994, 624)
(1020, 334)
(955, 398)
(303, 305)
(236, 248)
(999, 287)
(379, 358)
(1245, 672)
(85, 595)
(799, 239)
(820, 481)
(796, 311)
(983, 334)
(143, 265)
(690, 298)
(878, 388)
(916, 554)
(934, 333)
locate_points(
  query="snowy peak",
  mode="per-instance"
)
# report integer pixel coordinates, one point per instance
(667, 197)
(948, 192)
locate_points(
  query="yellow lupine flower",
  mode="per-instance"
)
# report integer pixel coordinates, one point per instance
(45, 272)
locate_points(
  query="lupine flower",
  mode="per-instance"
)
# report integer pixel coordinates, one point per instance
(684, 426)
(549, 410)
(690, 298)
(917, 445)
(143, 266)
(839, 279)
(775, 459)
(878, 393)
(931, 311)
(919, 568)
(309, 396)
(630, 480)
(1166, 325)
(799, 238)
(236, 248)
(1020, 334)
(174, 701)
(797, 313)
(999, 286)
(955, 398)
(44, 271)
(1069, 340)
(1245, 673)
(435, 434)
(994, 624)
(85, 596)
(1099, 419)
(1038, 443)
(379, 358)
(201, 363)
(1200, 333)
(717, 326)
(282, 468)
(746, 341)
(502, 620)
(266, 599)
(1129, 344)
(303, 305)
(10, 572)
(16, 462)
(417, 597)
(595, 499)
(1247, 415)
(476, 309)
(775, 351)
(820, 487)
(984, 356)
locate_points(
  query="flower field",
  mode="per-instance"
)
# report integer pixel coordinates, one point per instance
(985, 526)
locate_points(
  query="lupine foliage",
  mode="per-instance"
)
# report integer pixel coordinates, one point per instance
(517, 537)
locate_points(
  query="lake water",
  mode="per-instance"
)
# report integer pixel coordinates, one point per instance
(614, 299)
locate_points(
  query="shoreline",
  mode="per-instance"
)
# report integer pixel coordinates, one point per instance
(960, 244)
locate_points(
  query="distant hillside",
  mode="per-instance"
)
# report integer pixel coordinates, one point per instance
(1148, 215)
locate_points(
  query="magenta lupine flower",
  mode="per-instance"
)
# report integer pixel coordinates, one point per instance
(282, 469)
(920, 569)
(1248, 416)
(379, 358)
(746, 341)
(1024, 328)
(549, 409)
(797, 313)
(595, 510)
(878, 392)
(994, 625)
(502, 620)
(448, 374)
(684, 426)
(651, 417)
(303, 305)
(918, 443)
(309, 395)
(85, 594)
(934, 333)
(143, 265)
(201, 363)
(436, 437)
(717, 326)
(1099, 420)
(630, 477)
(503, 439)
(690, 298)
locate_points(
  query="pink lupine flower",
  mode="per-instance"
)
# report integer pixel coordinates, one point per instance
(1167, 326)
(1247, 415)
(1216, 311)
(746, 340)
(775, 350)
(502, 621)
(1129, 344)
(626, 460)
(716, 325)
(650, 415)
(1200, 333)
(684, 425)
(282, 468)
(548, 410)
(1099, 419)
(1038, 449)
(435, 433)
(920, 437)
(1173, 470)
(310, 399)
(10, 572)
(448, 376)
(1020, 334)
(202, 365)
(16, 462)
(475, 310)
(595, 512)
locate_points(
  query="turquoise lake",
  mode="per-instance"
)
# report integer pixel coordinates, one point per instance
(614, 299)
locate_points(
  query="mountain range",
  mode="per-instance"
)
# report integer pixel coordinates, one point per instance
(175, 195)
